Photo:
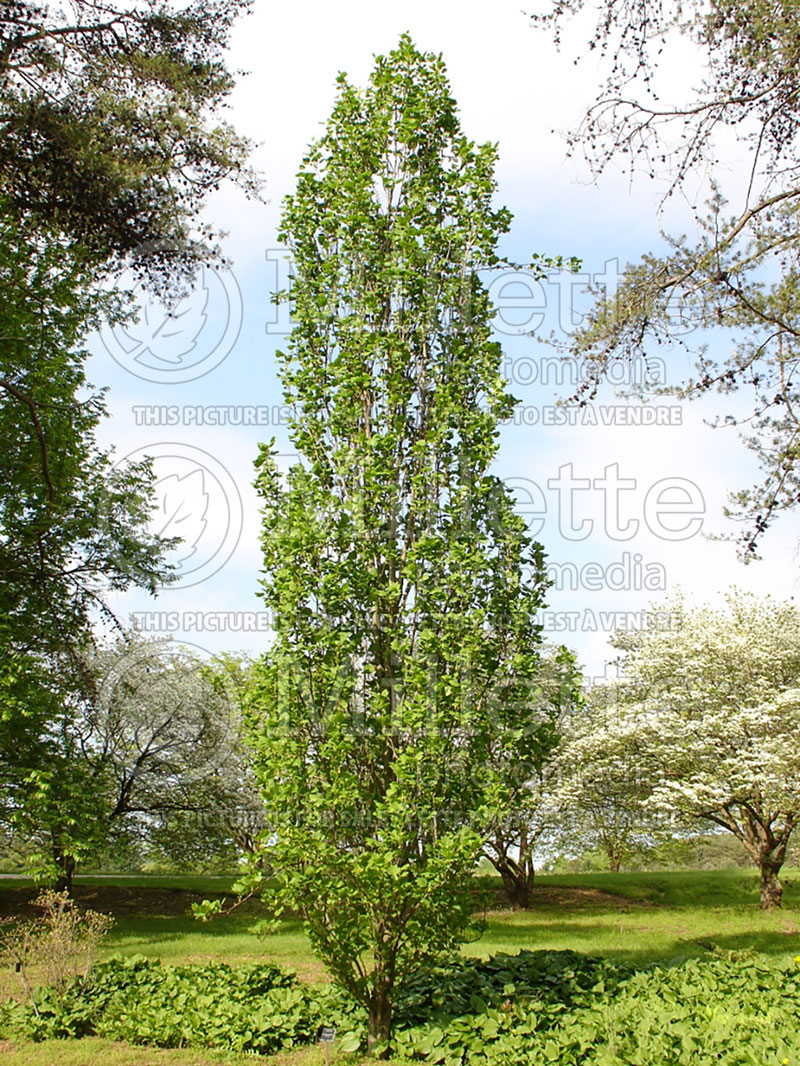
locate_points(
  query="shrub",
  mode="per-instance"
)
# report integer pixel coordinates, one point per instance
(62, 943)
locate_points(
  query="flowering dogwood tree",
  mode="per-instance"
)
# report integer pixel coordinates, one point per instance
(602, 777)
(718, 696)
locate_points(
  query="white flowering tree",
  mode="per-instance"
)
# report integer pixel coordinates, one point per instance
(603, 775)
(718, 695)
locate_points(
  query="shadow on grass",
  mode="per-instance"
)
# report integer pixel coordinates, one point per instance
(590, 939)
(775, 942)
(695, 889)
(166, 928)
(639, 946)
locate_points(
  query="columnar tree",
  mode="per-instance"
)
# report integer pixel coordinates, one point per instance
(405, 637)
(718, 697)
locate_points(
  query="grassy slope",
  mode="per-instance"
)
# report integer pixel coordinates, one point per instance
(650, 916)
(637, 917)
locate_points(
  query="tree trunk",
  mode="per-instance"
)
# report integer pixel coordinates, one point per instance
(517, 875)
(765, 834)
(771, 888)
(65, 864)
(517, 884)
(379, 1019)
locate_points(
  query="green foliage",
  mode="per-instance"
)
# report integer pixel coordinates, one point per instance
(537, 1006)
(464, 986)
(399, 710)
(725, 1009)
(257, 1008)
(73, 526)
(107, 127)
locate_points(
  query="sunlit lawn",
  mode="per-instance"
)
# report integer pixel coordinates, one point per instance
(661, 916)
(637, 917)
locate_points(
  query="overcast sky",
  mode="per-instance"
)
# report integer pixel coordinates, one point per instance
(622, 509)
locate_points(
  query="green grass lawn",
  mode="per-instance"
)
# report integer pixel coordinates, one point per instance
(649, 917)
(639, 918)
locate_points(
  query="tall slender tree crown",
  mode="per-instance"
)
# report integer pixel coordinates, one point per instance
(406, 650)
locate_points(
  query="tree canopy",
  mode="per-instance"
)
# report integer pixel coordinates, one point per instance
(728, 292)
(405, 636)
(141, 756)
(73, 524)
(107, 127)
(108, 149)
(601, 779)
(714, 705)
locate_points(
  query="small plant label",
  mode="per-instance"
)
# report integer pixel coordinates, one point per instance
(326, 1035)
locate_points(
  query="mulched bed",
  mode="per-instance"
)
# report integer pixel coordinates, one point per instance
(110, 899)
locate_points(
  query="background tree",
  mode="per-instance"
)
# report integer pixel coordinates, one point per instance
(601, 779)
(737, 275)
(72, 526)
(150, 744)
(106, 127)
(405, 641)
(167, 724)
(107, 147)
(532, 817)
(718, 699)
(47, 795)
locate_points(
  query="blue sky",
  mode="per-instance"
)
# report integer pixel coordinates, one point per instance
(624, 507)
